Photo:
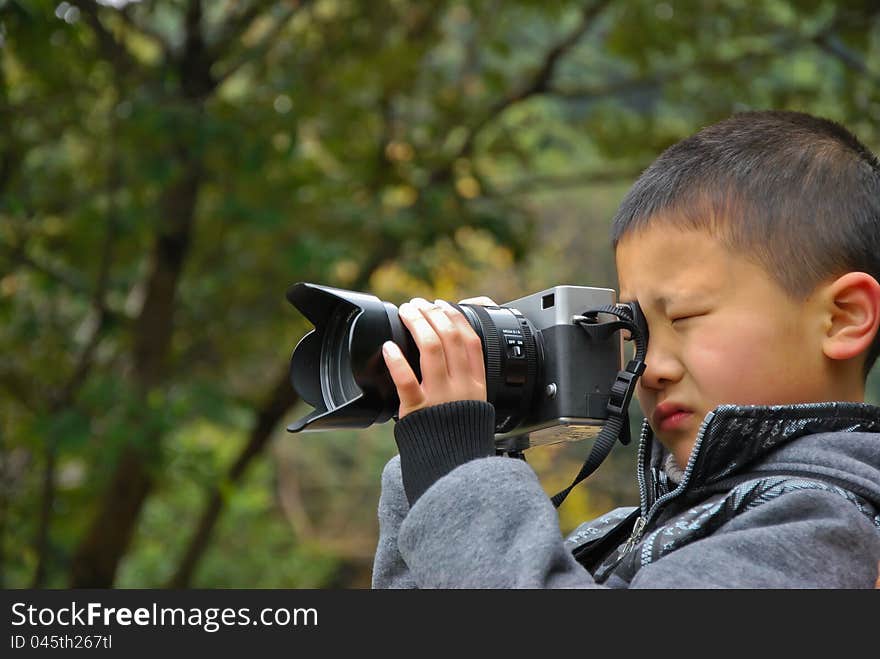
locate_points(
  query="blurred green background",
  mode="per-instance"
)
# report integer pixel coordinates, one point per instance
(169, 167)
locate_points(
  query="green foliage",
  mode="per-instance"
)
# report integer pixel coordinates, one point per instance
(404, 146)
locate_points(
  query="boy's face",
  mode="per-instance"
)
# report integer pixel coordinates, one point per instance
(721, 331)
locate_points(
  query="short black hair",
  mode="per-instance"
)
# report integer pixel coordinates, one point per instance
(798, 195)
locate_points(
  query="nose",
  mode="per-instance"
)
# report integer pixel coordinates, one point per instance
(662, 366)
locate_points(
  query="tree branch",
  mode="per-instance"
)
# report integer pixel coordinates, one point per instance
(13, 153)
(18, 255)
(265, 43)
(65, 396)
(112, 50)
(538, 84)
(5, 490)
(281, 399)
(99, 552)
(97, 557)
(20, 386)
(834, 46)
(126, 13)
(236, 25)
(535, 184)
(542, 78)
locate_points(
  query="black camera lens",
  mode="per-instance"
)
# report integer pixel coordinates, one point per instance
(337, 382)
(338, 367)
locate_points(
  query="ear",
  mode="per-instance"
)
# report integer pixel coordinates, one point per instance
(852, 315)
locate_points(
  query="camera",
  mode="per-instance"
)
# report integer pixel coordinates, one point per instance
(548, 379)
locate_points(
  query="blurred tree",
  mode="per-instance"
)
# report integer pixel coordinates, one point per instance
(172, 165)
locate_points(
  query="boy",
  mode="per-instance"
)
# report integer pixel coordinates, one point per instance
(753, 249)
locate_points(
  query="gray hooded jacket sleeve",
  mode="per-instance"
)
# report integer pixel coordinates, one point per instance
(486, 524)
(389, 568)
(452, 514)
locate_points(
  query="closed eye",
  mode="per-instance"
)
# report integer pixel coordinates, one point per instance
(678, 319)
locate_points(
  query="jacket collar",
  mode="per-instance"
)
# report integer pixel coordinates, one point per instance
(732, 437)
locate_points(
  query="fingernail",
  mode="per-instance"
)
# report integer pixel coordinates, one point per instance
(390, 348)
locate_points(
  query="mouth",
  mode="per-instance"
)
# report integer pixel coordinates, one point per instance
(670, 416)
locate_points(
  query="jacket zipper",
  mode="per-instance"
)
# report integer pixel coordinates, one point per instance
(648, 515)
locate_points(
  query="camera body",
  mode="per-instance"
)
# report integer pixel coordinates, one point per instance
(576, 369)
(548, 379)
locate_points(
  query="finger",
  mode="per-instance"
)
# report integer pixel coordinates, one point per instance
(408, 389)
(472, 343)
(482, 301)
(431, 357)
(454, 349)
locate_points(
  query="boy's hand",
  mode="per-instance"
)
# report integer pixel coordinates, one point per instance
(450, 356)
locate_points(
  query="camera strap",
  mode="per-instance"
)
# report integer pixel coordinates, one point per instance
(629, 317)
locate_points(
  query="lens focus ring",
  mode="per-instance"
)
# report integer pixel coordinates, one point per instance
(493, 352)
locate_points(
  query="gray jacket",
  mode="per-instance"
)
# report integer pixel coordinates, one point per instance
(772, 497)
